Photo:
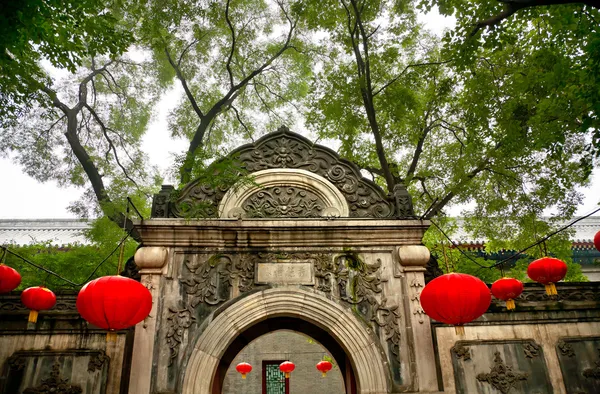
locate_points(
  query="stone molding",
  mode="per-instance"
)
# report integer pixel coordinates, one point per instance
(281, 233)
(334, 201)
(361, 346)
(150, 258)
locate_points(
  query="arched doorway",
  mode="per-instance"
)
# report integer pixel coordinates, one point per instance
(267, 351)
(349, 340)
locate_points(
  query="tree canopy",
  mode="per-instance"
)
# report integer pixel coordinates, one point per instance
(500, 115)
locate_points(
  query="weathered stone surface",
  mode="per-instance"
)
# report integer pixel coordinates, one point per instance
(285, 273)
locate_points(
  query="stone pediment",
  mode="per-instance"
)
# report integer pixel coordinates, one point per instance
(320, 167)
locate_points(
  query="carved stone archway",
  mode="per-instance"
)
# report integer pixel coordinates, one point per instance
(362, 348)
(284, 192)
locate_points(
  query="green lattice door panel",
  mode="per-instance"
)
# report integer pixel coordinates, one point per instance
(274, 381)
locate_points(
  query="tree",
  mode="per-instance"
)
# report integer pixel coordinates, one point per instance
(62, 32)
(501, 128)
(231, 59)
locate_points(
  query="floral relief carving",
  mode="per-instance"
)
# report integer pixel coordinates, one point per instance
(177, 322)
(17, 362)
(284, 149)
(461, 351)
(355, 282)
(282, 202)
(54, 384)
(97, 361)
(593, 373)
(531, 349)
(502, 377)
(565, 348)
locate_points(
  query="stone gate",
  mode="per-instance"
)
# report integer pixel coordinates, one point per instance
(301, 242)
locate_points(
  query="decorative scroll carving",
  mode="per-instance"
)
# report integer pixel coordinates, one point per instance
(356, 282)
(418, 311)
(593, 373)
(531, 349)
(178, 321)
(461, 351)
(502, 377)
(97, 361)
(284, 149)
(64, 304)
(17, 362)
(565, 348)
(283, 202)
(54, 384)
(563, 295)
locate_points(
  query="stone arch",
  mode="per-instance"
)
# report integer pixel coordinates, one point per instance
(355, 338)
(333, 201)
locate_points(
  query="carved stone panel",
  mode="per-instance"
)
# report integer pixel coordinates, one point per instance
(64, 371)
(500, 367)
(579, 360)
(283, 202)
(284, 149)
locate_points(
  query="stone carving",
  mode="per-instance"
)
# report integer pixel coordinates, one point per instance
(461, 351)
(563, 295)
(283, 202)
(97, 361)
(284, 149)
(64, 304)
(17, 362)
(531, 349)
(54, 384)
(502, 377)
(593, 373)
(404, 206)
(565, 348)
(178, 321)
(356, 282)
(415, 298)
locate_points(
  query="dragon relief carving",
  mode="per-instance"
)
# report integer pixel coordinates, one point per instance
(284, 149)
(356, 282)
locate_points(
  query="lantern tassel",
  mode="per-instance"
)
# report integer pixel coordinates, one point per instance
(111, 336)
(33, 315)
(460, 330)
(243, 376)
(551, 289)
(324, 374)
(287, 375)
(510, 304)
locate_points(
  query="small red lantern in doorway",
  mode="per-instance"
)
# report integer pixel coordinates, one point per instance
(547, 271)
(455, 299)
(324, 366)
(244, 369)
(10, 279)
(114, 303)
(597, 241)
(37, 299)
(287, 367)
(507, 289)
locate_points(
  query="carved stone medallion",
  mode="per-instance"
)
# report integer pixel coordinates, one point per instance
(283, 202)
(502, 377)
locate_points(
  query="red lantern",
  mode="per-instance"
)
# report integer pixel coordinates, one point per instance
(547, 271)
(244, 369)
(455, 299)
(507, 289)
(10, 279)
(286, 367)
(597, 240)
(114, 303)
(37, 299)
(324, 367)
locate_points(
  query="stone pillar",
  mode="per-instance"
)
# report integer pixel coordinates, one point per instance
(150, 261)
(413, 260)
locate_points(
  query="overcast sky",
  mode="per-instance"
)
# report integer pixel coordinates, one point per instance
(25, 198)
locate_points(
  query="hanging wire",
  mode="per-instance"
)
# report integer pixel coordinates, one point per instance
(122, 242)
(129, 202)
(517, 254)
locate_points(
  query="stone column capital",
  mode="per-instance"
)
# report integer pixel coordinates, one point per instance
(413, 255)
(151, 260)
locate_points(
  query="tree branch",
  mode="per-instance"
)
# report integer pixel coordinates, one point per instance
(390, 82)
(512, 6)
(228, 64)
(184, 84)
